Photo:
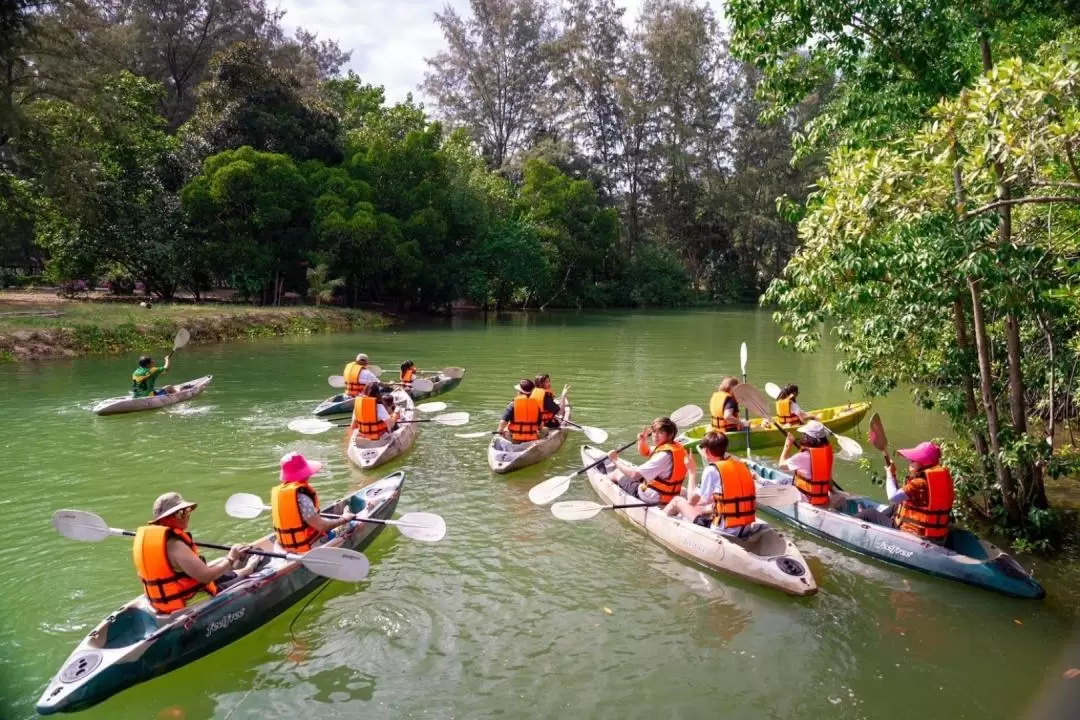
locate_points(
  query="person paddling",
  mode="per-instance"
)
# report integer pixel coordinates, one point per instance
(551, 411)
(661, 478)
(168, 563)
(357, 376)
(146, 374)
(727, 498)
(812, 464)
(787, 407)
(295, 507)
(922, 506)
(521, 421)
(724, 408)
(408, 372)
(371, 416)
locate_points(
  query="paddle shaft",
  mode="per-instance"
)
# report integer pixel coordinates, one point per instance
(630, 505)
(399, 422)
(263, 553)
(601, 460)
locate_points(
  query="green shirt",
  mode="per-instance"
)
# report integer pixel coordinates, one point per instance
(142, 381)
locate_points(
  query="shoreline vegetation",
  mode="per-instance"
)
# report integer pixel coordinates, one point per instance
(35, 328)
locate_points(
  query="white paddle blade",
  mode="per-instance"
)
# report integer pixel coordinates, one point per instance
(550, 489)
(424, 526)
(80, 525)
(244, 506)
(473, 435)
(181, 339)
(772, 390)
(574, 510)
(336, 381)
(310, 426)
(849, 446)
(335, 563)
(687, 415)
(742, 357)
(375, 370)
(595, 434)
(453, 419)
(431, 407)
(422, 385)
(777, 495)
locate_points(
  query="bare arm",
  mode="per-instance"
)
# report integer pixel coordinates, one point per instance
(181, 556)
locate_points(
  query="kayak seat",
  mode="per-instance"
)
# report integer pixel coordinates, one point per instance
(967, 543)
(764, 542)
(131, 625)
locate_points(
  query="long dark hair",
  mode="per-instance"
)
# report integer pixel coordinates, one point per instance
(789, 391)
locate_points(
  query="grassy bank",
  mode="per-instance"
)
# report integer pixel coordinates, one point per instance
(41, 328)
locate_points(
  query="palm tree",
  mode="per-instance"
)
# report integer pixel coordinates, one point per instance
(319, 287)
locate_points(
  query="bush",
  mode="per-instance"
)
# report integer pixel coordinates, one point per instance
(119, 282)
(656, 278)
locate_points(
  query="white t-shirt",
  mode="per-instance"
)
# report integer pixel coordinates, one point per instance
(367, 377)
(381, 412)
(799, 462)
(710, 485)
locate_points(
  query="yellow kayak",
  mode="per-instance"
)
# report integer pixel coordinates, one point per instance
(838, 418)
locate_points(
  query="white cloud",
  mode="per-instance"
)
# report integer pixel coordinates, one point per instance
(389, 39)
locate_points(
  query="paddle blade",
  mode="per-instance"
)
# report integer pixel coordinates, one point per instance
(79, 525)
(777, 495)
(687, 415)
(181, 339)
(336, 381)
(772, 390)
(595, 434)
(574, 510)
(453, 419)
(550, 489)
(849, 446)
(474, 435)
(310, 426)
(877, 433)
(335, 563)
(424, 526)
(750, 397)
(742, 358)
(375, 370)
(422, 385)
(245, 506)
(431, 407)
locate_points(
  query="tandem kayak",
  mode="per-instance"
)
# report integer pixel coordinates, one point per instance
(367, 454)
(964, 557)
(505, 456)
(135, 644)
(766, 557)
(444, 381)
(126, 404)
(838, 418)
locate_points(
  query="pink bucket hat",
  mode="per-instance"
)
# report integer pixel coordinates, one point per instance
(925, 453)
(296, 468)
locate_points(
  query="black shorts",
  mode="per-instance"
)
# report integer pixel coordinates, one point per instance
(704, 520)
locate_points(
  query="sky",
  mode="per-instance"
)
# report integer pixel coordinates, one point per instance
(389, 39)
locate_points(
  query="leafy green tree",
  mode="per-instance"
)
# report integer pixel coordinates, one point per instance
(320, 286)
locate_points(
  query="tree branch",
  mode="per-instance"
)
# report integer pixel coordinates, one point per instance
(1039, 199)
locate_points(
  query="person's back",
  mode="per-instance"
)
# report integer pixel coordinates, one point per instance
(926, 509)
(294, 504)
(521, 419)
(145, 376)
(735, 499)
(357, 376)
(812, 464)
(724, 408)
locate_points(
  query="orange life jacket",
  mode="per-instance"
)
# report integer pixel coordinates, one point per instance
(716, 407)
(736, 503)
(167, 589)
(930, 521)
(539, 396)
(784, 413)
(366, 415)
(408, 375)
(525, 425)
(670, 486)
(293, 534)
(817, 486)
(353, 386)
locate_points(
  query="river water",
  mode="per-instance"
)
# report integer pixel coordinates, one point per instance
(508, 616)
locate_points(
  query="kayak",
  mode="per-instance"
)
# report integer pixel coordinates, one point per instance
(766, 557)
(126, 404)
(367, 454)
(964, 557)
(134, 643)
(442, 382)
(839, 418)
(505, 456)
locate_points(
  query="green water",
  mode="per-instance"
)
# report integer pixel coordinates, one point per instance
(506, 616)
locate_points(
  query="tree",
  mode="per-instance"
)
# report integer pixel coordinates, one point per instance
(493, 76)
(319, 286)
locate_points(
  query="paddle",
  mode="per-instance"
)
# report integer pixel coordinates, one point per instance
(849, 445)
(332, 562)
(877, 434)
(746, 411)
(181, 339)
(475, 435)
(316, 426)
(545, 492)
(767, 496)
(595, 434)
(428, 527)
(338, 381)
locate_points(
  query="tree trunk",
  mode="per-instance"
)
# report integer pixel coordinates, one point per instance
(967, 386)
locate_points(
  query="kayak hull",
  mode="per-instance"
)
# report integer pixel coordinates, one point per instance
(506, 457)
(443, 382)
(127, 404)
(839, 418)
(135, 644)
(767, 557)
(965, 557)
(370, 454)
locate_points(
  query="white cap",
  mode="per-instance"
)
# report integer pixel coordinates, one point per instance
(814, 429)
(361, 358)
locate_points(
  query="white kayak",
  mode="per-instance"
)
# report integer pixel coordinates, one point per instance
(367, 454)
(505, 456)
(126, 404)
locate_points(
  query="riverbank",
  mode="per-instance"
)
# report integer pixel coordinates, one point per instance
(34, 327)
